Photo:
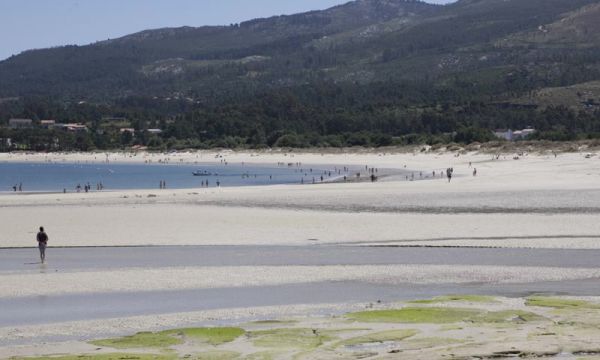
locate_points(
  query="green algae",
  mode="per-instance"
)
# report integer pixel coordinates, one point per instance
(416, 315)
(378, 337)
(263, 355)
(165, 339)
(140, 340)
(457, 298)
(216, 355)
(114, 356)
(213, 336)
(508, 316)
(289, 338)
(559, 303)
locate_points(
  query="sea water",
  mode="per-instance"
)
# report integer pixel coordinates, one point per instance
(56, 177)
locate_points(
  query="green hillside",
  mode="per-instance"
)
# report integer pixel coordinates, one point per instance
(369, 72)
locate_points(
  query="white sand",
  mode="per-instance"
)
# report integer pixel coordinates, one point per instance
(511, 203)
(166, 279)
(172, 224)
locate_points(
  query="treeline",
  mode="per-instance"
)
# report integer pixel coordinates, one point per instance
(322, 114)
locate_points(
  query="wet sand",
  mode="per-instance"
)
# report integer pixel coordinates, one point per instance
(90, 259)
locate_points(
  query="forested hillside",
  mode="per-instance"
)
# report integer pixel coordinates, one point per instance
(370, 72)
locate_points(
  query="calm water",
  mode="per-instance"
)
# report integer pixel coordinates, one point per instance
(52, 177)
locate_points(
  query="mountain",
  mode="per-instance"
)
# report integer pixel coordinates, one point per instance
(384, 66)
(130, 64)
(363, 41)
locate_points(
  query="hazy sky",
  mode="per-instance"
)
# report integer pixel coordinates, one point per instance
(29, 24)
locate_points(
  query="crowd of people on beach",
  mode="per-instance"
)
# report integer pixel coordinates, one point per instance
(87, 187)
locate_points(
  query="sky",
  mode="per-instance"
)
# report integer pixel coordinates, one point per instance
(34, 24)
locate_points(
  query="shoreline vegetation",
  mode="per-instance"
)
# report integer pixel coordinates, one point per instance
(491, 147)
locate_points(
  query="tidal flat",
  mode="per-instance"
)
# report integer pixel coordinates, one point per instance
(449, 327)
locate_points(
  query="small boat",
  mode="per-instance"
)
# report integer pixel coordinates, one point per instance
(201, 173)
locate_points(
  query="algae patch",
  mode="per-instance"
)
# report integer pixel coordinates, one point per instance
(508, 316)
(165, 339)
(103, 357)
(140, 340)
(217, 355)
(417, 315)
(559, 303)
(289, 338)
(212, 336)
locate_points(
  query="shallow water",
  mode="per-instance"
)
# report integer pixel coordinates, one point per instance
(72, 259)
(50, 309)
(54, 177)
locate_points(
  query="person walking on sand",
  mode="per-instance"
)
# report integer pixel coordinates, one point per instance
(42, 239)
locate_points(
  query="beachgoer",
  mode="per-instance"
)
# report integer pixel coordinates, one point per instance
(449, 174)
(475, 172)
(42, 239)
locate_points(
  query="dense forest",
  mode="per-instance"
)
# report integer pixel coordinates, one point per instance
(367, 73)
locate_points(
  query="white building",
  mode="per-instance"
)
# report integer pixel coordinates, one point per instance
(20, 123)
(510, 135)
(504, 134)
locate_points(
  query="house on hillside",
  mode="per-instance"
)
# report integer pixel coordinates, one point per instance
(155, 131)
(47, 124)
(74, 128)
(20, 123)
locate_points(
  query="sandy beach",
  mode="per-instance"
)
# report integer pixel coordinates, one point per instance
(536, 201)
(527, 201)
